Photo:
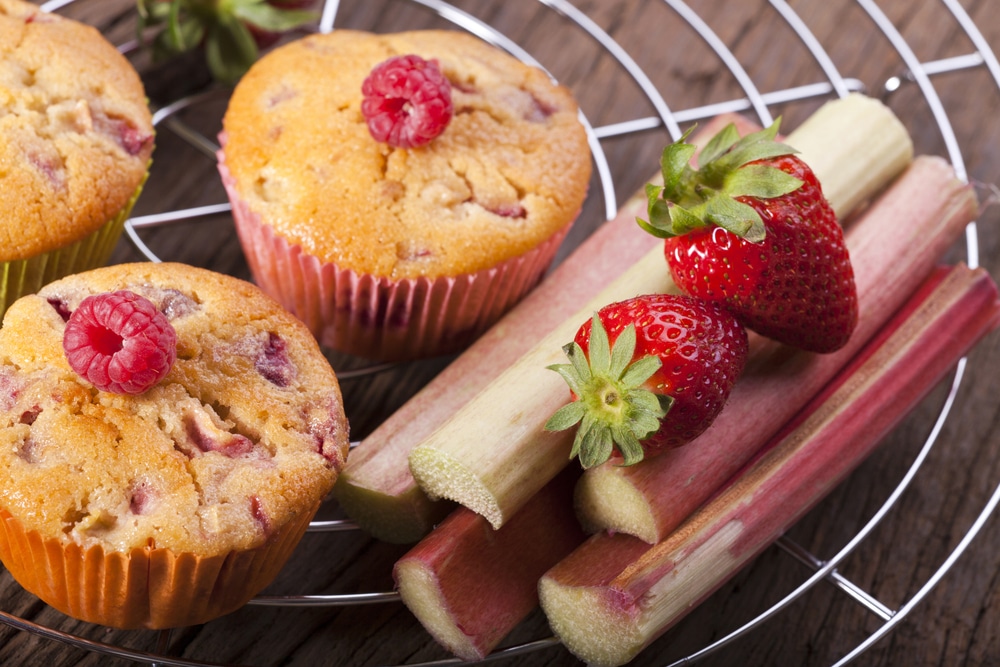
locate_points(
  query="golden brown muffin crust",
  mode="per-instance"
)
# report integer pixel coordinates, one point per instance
(510, 170)
(245, 433)
(75, 130)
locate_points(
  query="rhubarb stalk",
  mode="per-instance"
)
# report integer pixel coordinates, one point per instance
(470, 585)
(614, 595)
(376, 488)
(895, 244)
(494, 453)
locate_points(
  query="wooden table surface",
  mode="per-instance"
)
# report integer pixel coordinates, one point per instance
(955, 624)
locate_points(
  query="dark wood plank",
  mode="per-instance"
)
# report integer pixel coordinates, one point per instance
(954, 624)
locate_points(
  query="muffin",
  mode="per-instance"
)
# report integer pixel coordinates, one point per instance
(177, 504)
(76, 138)
(389, 251)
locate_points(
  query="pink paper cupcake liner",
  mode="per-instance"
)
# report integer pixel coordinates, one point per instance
(376, 317)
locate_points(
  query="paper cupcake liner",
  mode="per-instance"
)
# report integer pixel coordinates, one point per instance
(27, 276)
(152, 588)
(376, 317)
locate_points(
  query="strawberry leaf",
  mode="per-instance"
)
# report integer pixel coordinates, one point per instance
(267, 17)
(736, 217)
(674, 164)
(229, 49)
(628, 445)
(621, 353)
(684, 220)
(600, 348)
(596, 445)
(760, 181)
(565, 417)
(719, 144)
(640, 371)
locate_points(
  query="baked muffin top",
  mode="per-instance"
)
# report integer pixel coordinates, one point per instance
(510, 170)
(76, 133)
(245, 432)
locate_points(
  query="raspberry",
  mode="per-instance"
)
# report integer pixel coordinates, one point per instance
(407, 101)
(120, 342)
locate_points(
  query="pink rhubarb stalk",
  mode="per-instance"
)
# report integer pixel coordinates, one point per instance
(376, 488)
(615, 594)
(893, 247)
(493, 454)
(470, 585)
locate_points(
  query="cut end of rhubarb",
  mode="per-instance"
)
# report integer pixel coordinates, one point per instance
(421, 592)
(586, 622)
(871, 148)
(442, 476)
(604, 498)
(399, 518)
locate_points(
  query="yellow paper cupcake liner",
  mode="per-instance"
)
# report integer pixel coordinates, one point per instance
(27, 276)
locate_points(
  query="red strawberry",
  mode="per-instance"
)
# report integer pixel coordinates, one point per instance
(648, 374)
(750, 229)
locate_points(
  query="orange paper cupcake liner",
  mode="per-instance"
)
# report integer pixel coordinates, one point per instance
(376, 317)
(152, 588)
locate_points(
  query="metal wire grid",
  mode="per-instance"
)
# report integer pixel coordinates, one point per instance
(754, 100)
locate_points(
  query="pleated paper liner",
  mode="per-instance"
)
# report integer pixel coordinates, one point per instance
(27, 276)
(150, 587)
(376, 317)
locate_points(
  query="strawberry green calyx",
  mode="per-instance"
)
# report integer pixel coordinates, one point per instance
(612, 408)
(228, 30)
(727, 169)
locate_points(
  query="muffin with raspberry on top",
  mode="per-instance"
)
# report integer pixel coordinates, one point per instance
(400, 192)
(167, 434)
(76, 137)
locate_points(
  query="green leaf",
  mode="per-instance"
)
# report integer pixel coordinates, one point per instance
(600, 348)
(719, 144)
(736, 217)
(579, 361)
(568, 374)
(565, 417)
(596, 447)
(230, 49)
(761, 181)
(641, 370)
(684, 220)
(674, 163)
(629, 447)
(654, 231)
(621, 353)
(273, 19)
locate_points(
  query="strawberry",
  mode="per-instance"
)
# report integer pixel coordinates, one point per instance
(648, 374)
(231, 33)
(751, 229)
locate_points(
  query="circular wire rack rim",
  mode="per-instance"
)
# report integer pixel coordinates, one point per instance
(754, 100)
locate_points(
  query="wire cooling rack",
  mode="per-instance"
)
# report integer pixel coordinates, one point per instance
(663, 117)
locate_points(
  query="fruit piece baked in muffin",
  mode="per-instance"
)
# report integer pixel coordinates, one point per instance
(400, 192)
(144, 485)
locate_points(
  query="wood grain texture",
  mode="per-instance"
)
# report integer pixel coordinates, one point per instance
(955, 625)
